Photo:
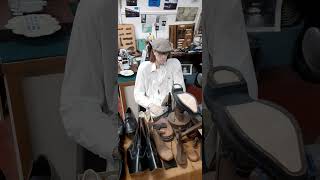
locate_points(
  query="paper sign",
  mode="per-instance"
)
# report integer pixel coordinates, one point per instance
(187, 13)
(151, 19)
(132, 11)
(162, 22)
(170, 4)
(154, 3)
(143, 18)
(146, 28)
(131, 2)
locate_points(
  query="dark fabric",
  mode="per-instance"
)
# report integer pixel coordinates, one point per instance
(93, 161)
(142, 109)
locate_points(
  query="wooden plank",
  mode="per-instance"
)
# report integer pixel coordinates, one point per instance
(19, 124)
(191, 171)
(36, 67)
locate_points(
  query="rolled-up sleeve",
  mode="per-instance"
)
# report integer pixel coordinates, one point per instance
(83, 89)
(178, 75)
(140, 89)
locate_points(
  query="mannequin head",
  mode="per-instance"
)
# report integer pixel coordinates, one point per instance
(159, 51)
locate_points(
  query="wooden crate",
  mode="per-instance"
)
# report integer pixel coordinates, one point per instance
(126, 37)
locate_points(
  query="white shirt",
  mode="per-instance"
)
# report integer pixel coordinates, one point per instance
(89, 90)
(152, 85)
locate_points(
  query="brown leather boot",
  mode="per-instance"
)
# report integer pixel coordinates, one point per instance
(163, 148)
(181, 157)
(191, 151)
(181, 154)
(164, 129)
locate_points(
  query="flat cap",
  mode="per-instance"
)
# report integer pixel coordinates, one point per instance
(161, 45)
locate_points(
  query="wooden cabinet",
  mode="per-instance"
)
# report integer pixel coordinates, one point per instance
(181, 36)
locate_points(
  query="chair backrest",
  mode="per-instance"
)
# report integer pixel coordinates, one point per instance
(263, 132)
(225, 82)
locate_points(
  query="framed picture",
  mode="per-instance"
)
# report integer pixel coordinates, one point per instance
(186, 69)
(262, 16)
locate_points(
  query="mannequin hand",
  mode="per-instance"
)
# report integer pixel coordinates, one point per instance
(155, 109)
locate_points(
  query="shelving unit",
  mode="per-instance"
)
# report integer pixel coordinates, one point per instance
(181, 36)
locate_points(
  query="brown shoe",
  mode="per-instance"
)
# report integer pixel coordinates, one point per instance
(164, 129)
(181, 157)
(163, 148)
(191, 151)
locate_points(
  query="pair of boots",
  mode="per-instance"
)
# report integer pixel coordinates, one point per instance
(186, 148)
(129, 124)
(163, 135)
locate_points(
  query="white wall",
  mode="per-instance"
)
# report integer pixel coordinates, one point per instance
(130, 102)
(145, 9)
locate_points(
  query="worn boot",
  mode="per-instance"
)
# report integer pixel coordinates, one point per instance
(164, 129)
(191, 151)
(163, 148)
(181, 157)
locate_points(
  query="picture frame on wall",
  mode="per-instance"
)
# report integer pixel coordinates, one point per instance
(131, 2)
(262, 16)
(186, 69)
(187, 13)
(132, 11)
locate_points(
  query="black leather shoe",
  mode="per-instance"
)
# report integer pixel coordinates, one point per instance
(41, 169)
(130, 122)
(2, 177)
(121, 128)
(136, 152)
(151, 158)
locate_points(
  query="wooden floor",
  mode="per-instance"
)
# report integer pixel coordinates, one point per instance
(7, 154)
